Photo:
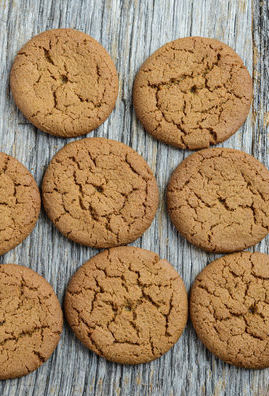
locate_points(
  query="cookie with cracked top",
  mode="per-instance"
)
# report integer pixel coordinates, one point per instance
(100, 193)
(19, 202)
(192, 92)
(127, 305)
(64, 82)
(30, 318)
(218, 199)
(229, 309)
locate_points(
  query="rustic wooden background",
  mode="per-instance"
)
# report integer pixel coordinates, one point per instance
(131, 30)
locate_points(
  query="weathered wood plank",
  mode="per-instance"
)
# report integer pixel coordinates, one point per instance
(131, 30)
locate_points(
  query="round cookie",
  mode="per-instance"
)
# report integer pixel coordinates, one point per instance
(19, 202)
(100, 193)
(192, 92)
(218, 199)
(229, 309)
(30, 321)
(127, 305)
(64, 82)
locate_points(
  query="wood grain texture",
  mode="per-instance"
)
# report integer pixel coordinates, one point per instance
(131, 30)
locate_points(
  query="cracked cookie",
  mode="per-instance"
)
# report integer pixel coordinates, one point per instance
(218, 199)
(192, 92)
(127, 305)
(229, 307)
(19, 202)
(100, 193)
(64, 82)
(30, 321)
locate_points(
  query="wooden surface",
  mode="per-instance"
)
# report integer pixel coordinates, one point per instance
(131, 31)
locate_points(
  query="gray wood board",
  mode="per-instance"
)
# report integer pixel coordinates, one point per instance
(131, 31)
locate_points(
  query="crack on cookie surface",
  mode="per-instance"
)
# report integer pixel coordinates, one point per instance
(193, 98)
(127, 305)
(229, 308)
(100, 193)
(219, 200)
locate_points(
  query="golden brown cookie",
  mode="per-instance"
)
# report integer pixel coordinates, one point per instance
(229, 307)
(192, 92)
(127, 305)
(218, 199)
(64, 82)
(19, 202)
(100, 193)
(30, 321)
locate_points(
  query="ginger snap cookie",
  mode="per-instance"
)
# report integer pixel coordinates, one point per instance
(64, 82)
(30, 320)
(100, 193)
(229, 309)
(192, 92)
(218, 199)
(127, 305)
(19, 202)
